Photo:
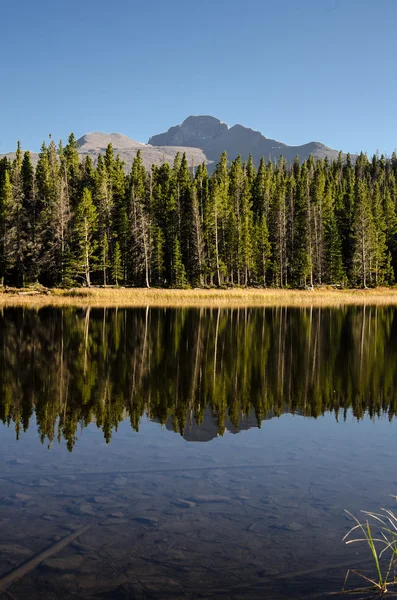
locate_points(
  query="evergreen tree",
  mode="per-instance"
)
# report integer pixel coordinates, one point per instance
(140, 223)
(6, 202)
(345, 214)
(30, 216)
(178, 273)
(247, 233)
(364, 230)
(302, 268)
(278, 225)
(157, 265)
(72, 172)
(333, 252)
(380, 258)
(16, 221)
(217, 217)
(262, 249)
(85, 229)
(51, 196)
(104, 256)
(117, 271)
(390, 219)
(318, 220)
(104, 203)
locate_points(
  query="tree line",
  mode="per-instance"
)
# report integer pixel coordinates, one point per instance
(69, 221)
(71, 367)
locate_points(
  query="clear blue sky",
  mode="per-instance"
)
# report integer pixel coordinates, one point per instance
(319, 70)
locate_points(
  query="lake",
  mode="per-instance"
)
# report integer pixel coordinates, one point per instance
(212, 453)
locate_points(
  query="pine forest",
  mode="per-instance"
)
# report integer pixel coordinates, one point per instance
(68, 222)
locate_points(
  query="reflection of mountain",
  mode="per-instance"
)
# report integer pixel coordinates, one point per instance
(208, 428)
(200, 372)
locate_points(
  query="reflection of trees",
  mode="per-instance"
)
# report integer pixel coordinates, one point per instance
(73, 366)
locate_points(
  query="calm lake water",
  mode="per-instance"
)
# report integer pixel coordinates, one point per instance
(212, 452)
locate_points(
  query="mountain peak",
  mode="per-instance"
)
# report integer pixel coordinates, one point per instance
(213, 137)
(195, 131)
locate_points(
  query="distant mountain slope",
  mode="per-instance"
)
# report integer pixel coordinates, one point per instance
(96, 143)
(214, 137)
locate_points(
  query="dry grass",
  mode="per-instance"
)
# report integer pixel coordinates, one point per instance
(125, 297)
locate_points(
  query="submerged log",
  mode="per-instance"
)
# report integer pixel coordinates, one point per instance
(30, 564)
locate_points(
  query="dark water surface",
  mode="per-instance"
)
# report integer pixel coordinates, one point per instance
(212, 452)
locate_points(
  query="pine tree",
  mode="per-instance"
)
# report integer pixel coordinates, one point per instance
(72, 172)
(140, 223)
(201, 184)
(344, 212)
(333, 252)
(123, 240)
(196, 251)
(364, 230)
(233, 234)
(6, 202)
(278, 225)
(188, 222)
(390, 217)
(217, 216)
(178, 273)
(117, 271)
(262, 190)
(85, 229)
(164, 214)
(104, 256)
(157, 264)
(50, 191)
(247, 235)
(302, 259)
(261, 193)
(88, 174)
(16, 219)
(262, 249)
(380, 257)
(61, 231)
(104, 203)
(30, 216)
(318, 220)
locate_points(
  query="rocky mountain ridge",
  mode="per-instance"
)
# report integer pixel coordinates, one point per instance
(203, 139)
(213, 137)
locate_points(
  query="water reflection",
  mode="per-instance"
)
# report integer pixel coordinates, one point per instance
(198, 371)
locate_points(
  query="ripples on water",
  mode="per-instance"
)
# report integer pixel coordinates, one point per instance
(297, 411)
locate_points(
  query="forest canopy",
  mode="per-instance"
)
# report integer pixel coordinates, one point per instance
(69, 221)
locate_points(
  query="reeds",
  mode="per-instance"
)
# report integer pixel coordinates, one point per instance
(379, 533)
(234, 297)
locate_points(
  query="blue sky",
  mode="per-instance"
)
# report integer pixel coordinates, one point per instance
(320, 70)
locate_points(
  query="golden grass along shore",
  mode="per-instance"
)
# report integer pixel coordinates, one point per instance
(130, 297)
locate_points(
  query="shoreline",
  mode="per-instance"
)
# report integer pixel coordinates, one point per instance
(206, 298)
